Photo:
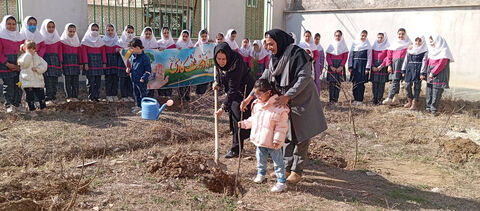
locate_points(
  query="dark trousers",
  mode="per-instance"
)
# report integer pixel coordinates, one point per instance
(295, 155)
(184, 93)
(93, 84)
(235, 115)
(433, 96)
(334, 91)
(33, 94)
(51, 83)
(140, 91)
(111, 84)
(11, 91)
(126, 89)
(416, 85)
(71, 86)
(394, 89)
(201, 89)
(378, 88)
(358, 91)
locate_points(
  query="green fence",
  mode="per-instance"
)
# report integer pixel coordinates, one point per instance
(176, 14)
(11, 8)
(255, 12)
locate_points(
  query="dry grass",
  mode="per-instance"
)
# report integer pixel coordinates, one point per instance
(416, 165)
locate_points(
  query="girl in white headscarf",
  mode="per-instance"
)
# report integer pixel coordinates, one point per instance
(94, 57)
(10, 41)
(219, 38)
(148, 39)
(184, 40)
(203, 38)
(30, 31)
(337, 55)
(378, 73)
(359, 62)
(437, 73)
(230, 39)
(71, 61)
(245, 51)
(395, 57)
(126, 87)
(415, 62)
(309, 43)
(54, 57)
(167, 40)
(110, 39)
(259, 56)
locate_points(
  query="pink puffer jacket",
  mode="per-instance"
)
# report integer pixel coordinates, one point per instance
(269, 124)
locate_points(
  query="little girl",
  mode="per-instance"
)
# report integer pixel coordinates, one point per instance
(413, 65)
(29, 31)
(337, 54)
(166, 43)
(184, 42)
(359, 63)
(308, 43)
(219, 38)
(269, 125)
(203, 39)
(71, 61)
(126, 86)
(378, 73)
(230, 39)
(437, 73)
(259, 56)
(245, 51)
(31, 75)
(54, 58)
(111, 71)
(94, 59)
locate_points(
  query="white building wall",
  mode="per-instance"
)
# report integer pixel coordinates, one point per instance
(460, 26)
(225, 15)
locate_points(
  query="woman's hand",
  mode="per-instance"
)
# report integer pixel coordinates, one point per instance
(430, 76)
(340, 69)
(141, 80)
(128, 70)
(215, 86)
(281, 101)
(245, 102)
(422, 77)
(389, 69)
(219, 112)
(240, 125)
(34, 69)
(13, 67)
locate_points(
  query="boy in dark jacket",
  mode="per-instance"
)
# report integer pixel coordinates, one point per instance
(139, 69)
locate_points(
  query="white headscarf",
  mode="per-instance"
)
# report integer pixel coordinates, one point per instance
(74, 41)
(124, 38)
(399, 44)
(294, 38)
(310, 45)
(261, 54)
(90, 41)
(245, 52)
(233, 44)
(441, 49)
(359, 45)
(151, 43)
(216, 41)
(7, 34)
(383, 45)
(27, 35)
(415, 50)
(165, 43)
(200, 41)
(110, 41)
(337, 47)
(184, 44)
(50, 38)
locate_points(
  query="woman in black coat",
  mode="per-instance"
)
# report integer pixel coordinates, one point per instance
(234, 77)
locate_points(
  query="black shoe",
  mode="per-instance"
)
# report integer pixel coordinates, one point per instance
(435, 113)
(231, 154)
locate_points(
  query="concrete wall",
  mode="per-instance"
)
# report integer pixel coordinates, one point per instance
(460, 26)
(353, 4)
(61, 11)
(278, 19)
(221, 19)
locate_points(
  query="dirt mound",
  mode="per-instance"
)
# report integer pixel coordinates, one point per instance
(193, 165)
(96, 109)
(24, 204)
(460, 150)
(327, 154)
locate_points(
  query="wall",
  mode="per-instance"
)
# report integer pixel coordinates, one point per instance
(460, 26)
(372, 4)
(278, 19)
(61, 11)
(222, 19)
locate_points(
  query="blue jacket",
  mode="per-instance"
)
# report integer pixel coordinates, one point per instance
(140, 67)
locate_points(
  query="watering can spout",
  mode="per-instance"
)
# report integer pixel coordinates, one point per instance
(168, 103)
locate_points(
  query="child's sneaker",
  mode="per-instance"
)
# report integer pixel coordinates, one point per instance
(387, 101)
(259, 179)
(279, 187)
(136, 109)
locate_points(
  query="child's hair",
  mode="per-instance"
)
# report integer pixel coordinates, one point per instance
(110, 25)
(165, 28)
(95, 25)
(28, 44)
(72, 26)
(130, 27)
(418, 39)
(11, 18)
(203, 31)
(136, 43)
(307, 32)
(317, 35)
(265, 86)
(381, 34)
(148, 29)
(234, 32)
(185, 32)
(246, 38)
(220, 34)
(32, 18)
(364, 31)
(338, 31)
(402, 29)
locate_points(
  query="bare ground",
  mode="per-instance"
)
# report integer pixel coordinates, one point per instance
(406, 161)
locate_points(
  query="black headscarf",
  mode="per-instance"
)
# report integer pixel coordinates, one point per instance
(232, 56)
(282, 39)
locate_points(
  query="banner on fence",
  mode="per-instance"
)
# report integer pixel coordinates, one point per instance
(172, 68)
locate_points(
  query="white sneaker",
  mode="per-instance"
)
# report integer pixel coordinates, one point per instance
(279, 187)
(11, 109)
(259, 179)
(69, 100)
(50, 103)
(136, 109)
(387, 101)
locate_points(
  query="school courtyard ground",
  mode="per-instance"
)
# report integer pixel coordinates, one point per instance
(85, 156)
